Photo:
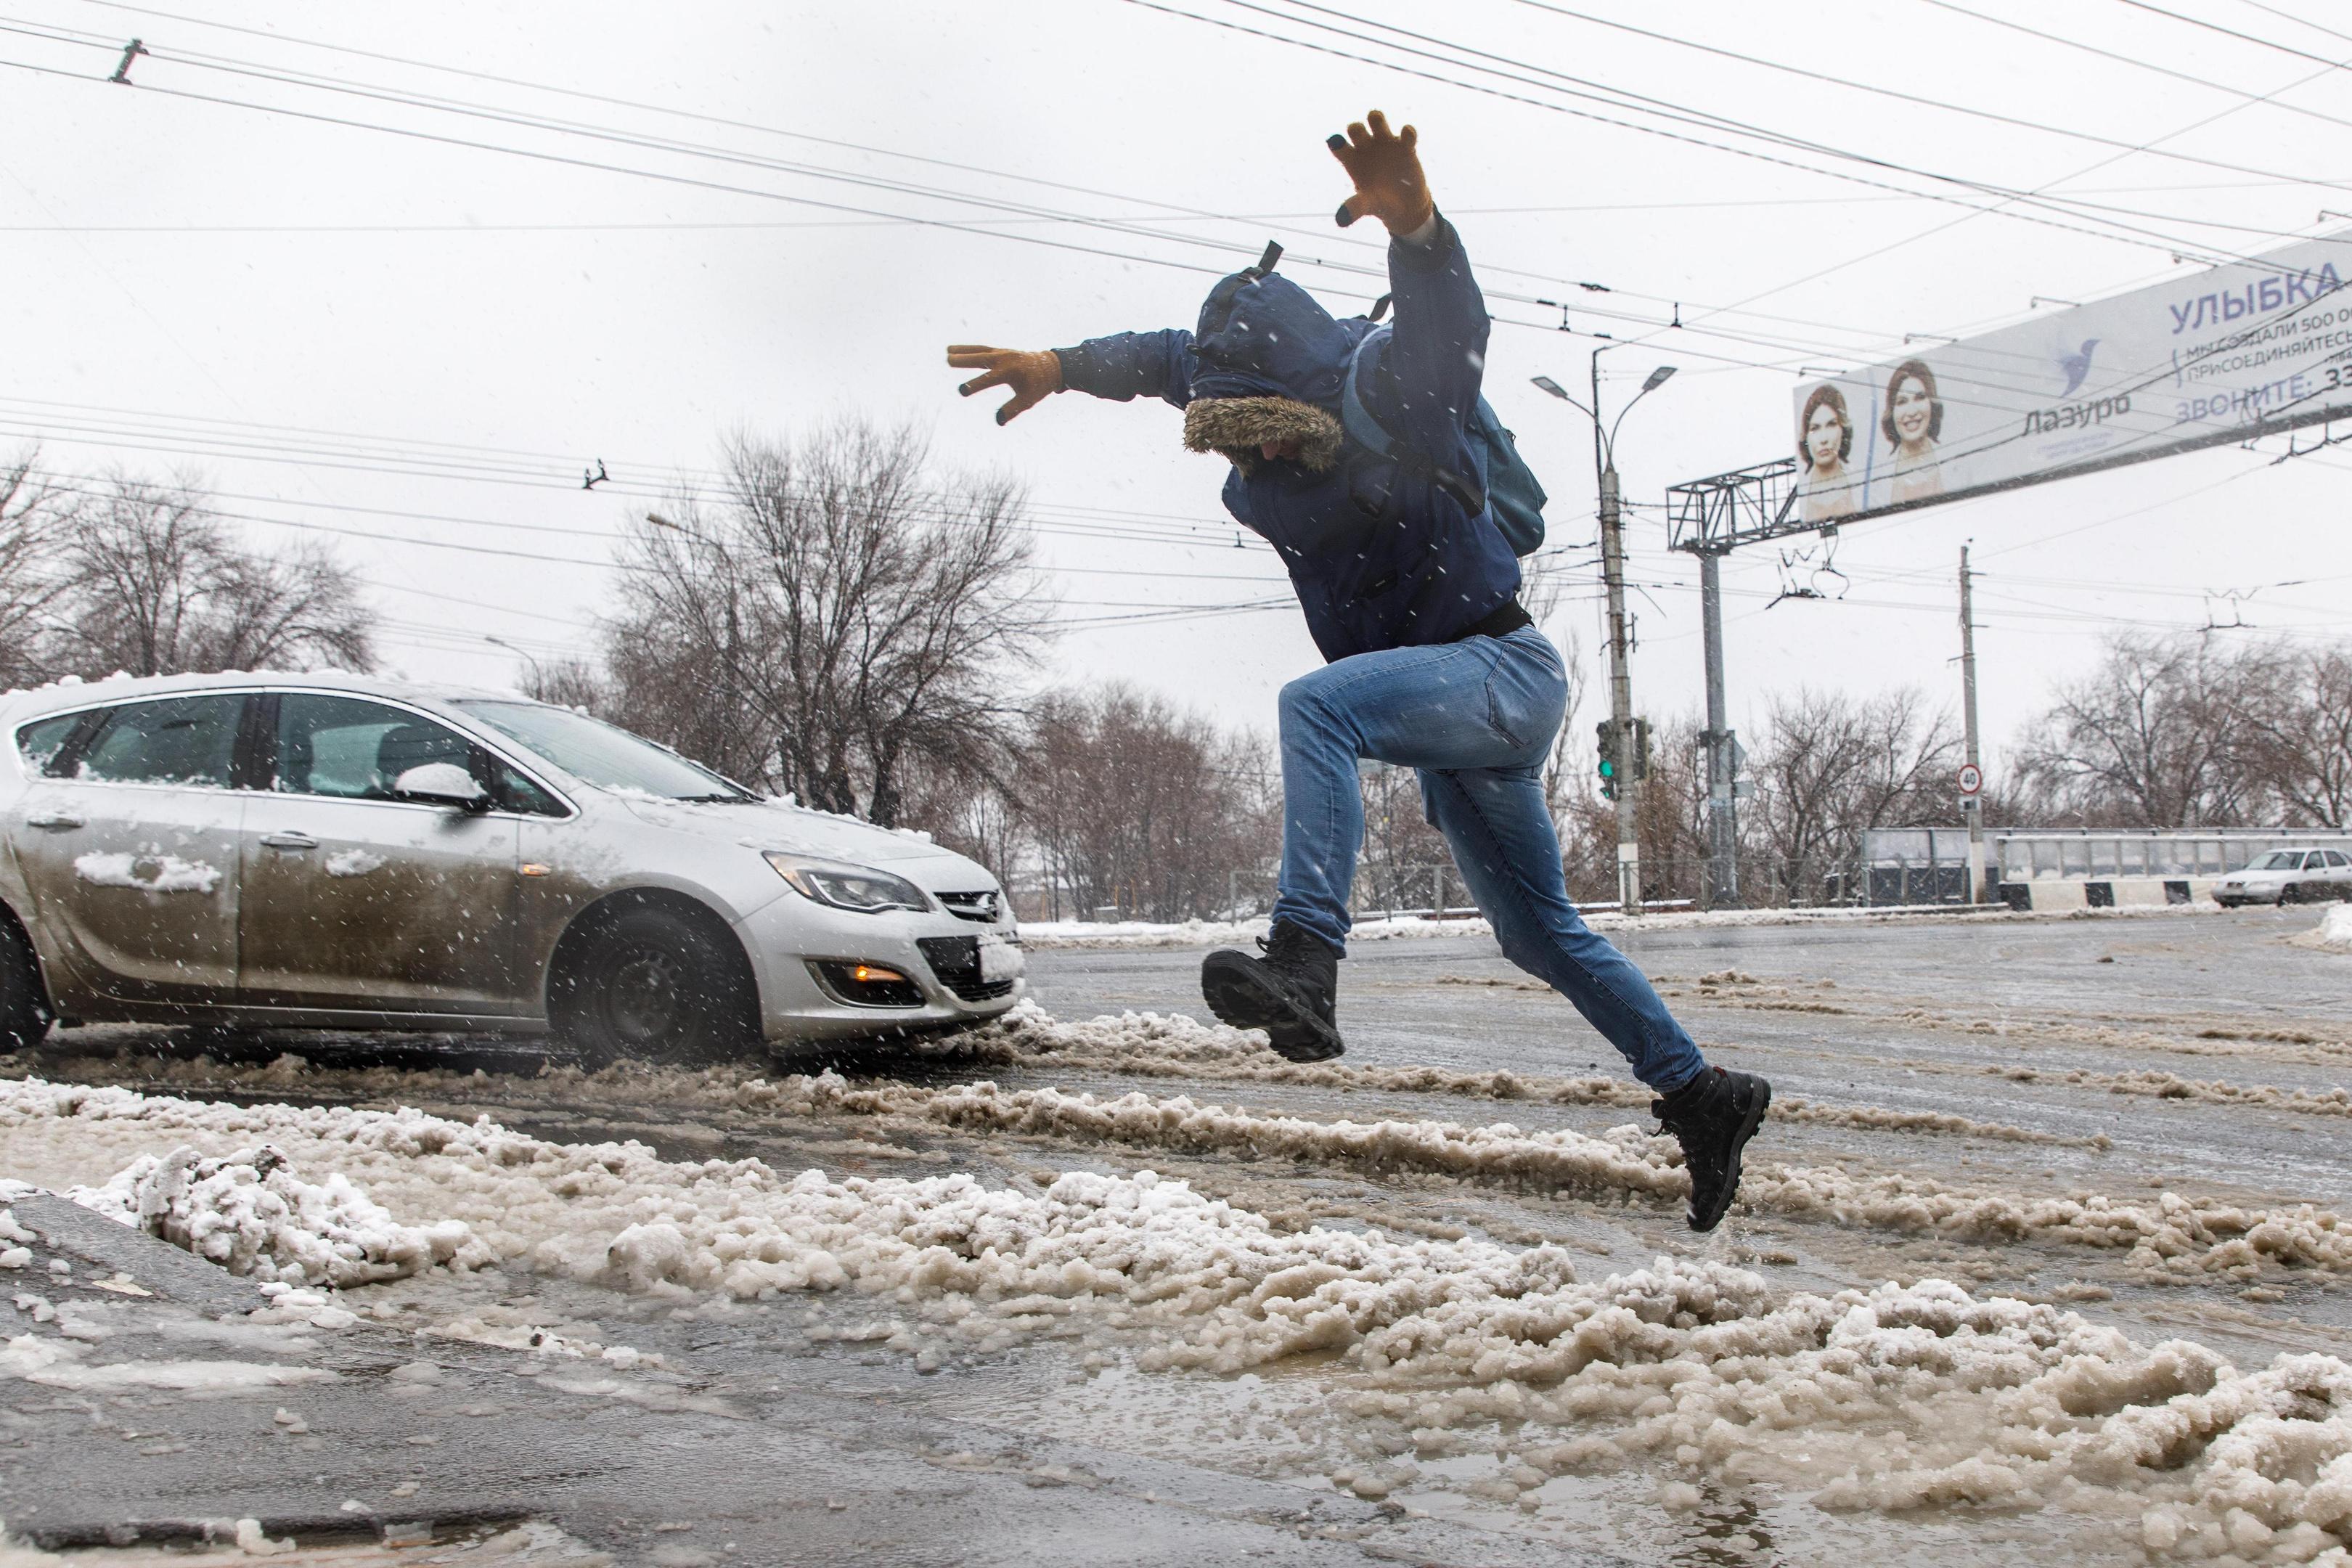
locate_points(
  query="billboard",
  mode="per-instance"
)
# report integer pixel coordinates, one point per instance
(2236, 350)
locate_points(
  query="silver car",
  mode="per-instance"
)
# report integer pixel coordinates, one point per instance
(2288, 876)
(338, 851)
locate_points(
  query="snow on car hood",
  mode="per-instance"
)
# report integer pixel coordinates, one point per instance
(774, 825)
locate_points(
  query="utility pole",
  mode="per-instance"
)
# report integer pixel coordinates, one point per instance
(1624, 752)
(1620, 699)
(1722, 747)
(1620, 676)
(1971, 801)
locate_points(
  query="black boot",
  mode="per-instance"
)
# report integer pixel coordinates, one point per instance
(1712, 1117)
(1289, 992)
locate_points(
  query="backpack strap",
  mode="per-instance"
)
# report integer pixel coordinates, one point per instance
(1364, 429)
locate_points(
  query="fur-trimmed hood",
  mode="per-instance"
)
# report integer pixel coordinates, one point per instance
(1269, 361)
(1236, 428)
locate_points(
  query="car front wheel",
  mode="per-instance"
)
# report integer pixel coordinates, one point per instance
(654, 985)
(24, 1005)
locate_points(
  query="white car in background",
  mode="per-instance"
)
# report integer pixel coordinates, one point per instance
(2288, 876)
(337, 851)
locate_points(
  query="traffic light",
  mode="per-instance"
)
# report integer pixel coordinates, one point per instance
(1605, 733)
(1639, 765)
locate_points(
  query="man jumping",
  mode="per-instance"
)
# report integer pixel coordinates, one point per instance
(1366, 473)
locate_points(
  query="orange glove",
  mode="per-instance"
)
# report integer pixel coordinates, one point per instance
(1033, 375)
(1387, 172)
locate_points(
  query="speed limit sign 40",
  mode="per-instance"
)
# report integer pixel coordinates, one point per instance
(1971, 778)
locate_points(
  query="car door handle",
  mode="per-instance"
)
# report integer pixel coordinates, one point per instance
(55, 821)
(288, 841)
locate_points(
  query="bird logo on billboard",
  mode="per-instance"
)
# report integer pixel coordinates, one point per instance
(2077, 366)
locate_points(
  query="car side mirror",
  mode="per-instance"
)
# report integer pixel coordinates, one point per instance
(441, 784)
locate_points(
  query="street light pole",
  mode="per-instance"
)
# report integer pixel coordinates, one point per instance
(1612, 576)
(1972, 802)
(1722, 750)
(537, 677)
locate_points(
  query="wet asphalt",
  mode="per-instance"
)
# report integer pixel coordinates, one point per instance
(777, 1445)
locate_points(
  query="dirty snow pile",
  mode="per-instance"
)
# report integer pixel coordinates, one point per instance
(2165, 1236)
(1890, 1398)
(1154, 1045)
(1624, 1159)
(1224, 934)
(14, 1252)
(172, 874)
(2332, 935)
(249, 1213)
(1230, 933)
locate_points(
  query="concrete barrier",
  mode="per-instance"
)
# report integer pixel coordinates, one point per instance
(2045, 894)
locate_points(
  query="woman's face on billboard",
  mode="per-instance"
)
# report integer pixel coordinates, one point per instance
(1914, 410)
(1824, 434)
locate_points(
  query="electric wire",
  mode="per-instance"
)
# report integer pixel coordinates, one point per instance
(2128, 234)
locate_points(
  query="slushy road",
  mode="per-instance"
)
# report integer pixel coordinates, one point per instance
(1963, 1101)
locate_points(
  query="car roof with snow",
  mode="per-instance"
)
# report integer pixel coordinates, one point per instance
(70, 694)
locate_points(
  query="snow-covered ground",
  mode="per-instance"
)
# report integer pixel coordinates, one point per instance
(1228, 934)
(2332, 935)
(2015, 1279)
(1890, 1398)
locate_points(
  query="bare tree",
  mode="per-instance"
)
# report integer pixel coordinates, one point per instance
(570, 683)
(2299, 735)
(838, 620)
(1566, 779)
(29, 514)
(1670, 814)
(151, 582)
(1137, 808)
(1831, 766)
(2156, 736)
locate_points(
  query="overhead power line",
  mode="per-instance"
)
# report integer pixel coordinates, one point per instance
(1125, 227)
(1677, 115)
(1702, 46)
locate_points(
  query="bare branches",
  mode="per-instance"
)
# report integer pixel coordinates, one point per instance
(2193, 730)
(840, 626)
(1135, 807)
(144, 578)
(29, 515)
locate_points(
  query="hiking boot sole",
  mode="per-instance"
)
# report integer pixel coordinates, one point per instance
(1243, 997)
(1749, 1124)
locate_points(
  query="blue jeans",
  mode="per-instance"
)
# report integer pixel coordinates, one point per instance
(1475, 718)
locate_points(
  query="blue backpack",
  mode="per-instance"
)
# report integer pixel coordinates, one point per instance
(1503, 489)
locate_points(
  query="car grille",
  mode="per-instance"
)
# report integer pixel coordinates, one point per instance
(979, 906)
(956, 960)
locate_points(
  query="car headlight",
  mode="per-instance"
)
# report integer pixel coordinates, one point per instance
(845, 886)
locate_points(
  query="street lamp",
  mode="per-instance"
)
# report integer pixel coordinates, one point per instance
(1613, 574)
(537, 678)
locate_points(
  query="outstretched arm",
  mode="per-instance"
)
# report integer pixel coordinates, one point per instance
(1126, 365)
(1437, 351)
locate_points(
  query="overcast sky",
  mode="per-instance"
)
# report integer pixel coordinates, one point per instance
(417, 344)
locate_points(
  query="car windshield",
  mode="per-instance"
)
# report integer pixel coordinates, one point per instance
(2279, 860)
(605, 754)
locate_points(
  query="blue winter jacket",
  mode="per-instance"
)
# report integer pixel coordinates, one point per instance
(1381, 555)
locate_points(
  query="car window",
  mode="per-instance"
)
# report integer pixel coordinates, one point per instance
(2336, 857)
(2277, 860)
(173, 740)
(40, 741)
(603, 754)
(353, 749)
